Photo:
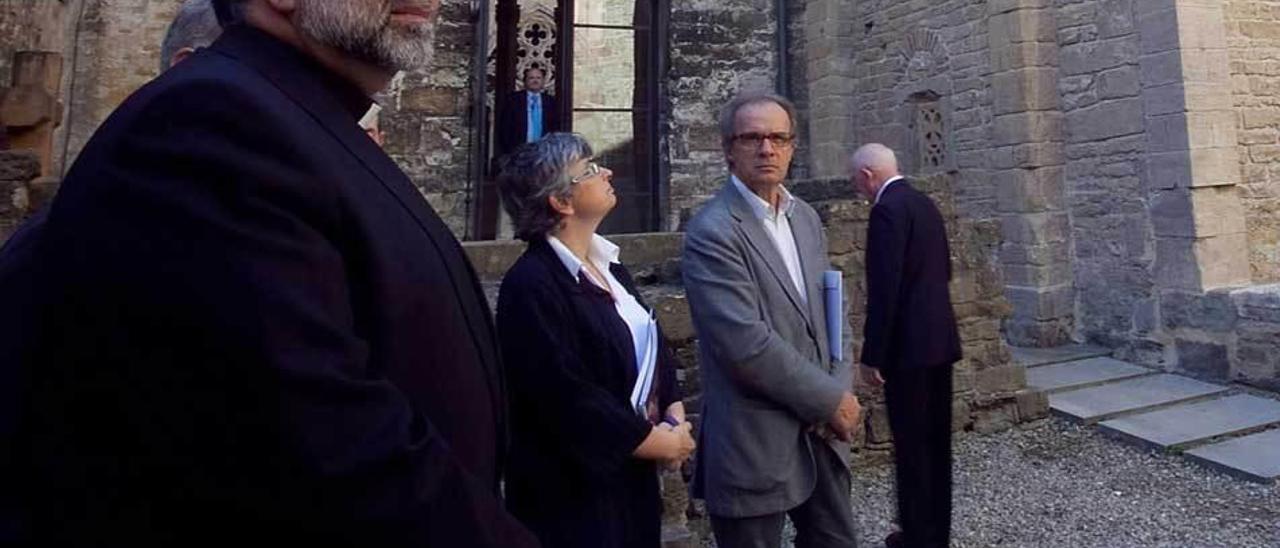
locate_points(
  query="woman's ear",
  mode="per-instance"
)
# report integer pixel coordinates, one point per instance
(560, 205)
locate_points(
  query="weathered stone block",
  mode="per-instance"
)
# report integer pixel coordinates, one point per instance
(1168, 132)
(1032, 155)
(1031, 190)
(19, 165)
(1115, 18)
(1211, 129)
(1038, 255)
(1037, 275)
(1203, 167)
(672, 310)
(1224, 260)
(1027, 127)
(995, 418)
(1105, 120)
(1021, 25)
(1159, 30)
(1036, 228)
(1257, 355)
(1093, 57)
(1217, 211)
(1260, 303)
(1176, 266)
(1119, 82)
(1041, 303)
(1160, 69)
(1027, 89)
(1032, 404)
(1212, 311)
(995, 7)
(1027, 54)
(1207, 360)
(1039, 333)
(1201, 26)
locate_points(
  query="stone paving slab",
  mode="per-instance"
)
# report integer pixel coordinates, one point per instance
(1255, 457)
(1081, 373)
(1032, 357)
(1106, 401)
(1181, 425)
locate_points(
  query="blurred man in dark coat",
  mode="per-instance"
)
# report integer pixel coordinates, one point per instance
(244, 318)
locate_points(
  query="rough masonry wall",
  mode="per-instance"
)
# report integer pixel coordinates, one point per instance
(1253, 39)
(1101, 98)
(117, 51)
(427, 123)
(717, 49)
(35, 26)
(917, 47)
(427, 120)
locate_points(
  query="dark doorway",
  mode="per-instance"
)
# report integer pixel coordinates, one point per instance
(605, 61)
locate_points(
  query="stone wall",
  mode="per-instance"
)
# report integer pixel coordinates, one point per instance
(427, 122)
(967, 89)
(1101, 100)
(116, 50)
(717, 49)
(17, 171)
(1253, 40)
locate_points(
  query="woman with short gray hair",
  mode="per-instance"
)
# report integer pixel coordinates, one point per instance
(593, 399)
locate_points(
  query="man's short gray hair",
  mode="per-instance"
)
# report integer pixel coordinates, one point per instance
(874, 156)
(729, 114)
(196, 26)
(534, 172)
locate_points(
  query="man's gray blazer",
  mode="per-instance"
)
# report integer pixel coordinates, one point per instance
(766, 369)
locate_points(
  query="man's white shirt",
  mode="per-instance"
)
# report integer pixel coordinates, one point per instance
(777, 224)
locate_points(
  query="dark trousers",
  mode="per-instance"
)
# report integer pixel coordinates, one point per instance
(825, 520)
(919, 402)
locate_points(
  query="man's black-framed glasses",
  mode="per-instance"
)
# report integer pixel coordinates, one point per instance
(754, 140)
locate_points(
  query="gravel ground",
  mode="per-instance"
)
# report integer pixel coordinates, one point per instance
(1057, 484)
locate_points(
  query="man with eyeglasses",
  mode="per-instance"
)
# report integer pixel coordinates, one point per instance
(778, 411)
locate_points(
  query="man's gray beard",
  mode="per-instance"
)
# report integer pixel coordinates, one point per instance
(366, 33)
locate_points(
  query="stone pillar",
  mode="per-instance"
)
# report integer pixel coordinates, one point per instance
(1028, 165)
(29, 108)
(1193, 164)
(829, 61)
(1192, 171)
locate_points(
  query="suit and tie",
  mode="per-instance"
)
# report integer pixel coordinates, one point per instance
(250, 322)
(525, 117)
(911, 337)
(767, 373)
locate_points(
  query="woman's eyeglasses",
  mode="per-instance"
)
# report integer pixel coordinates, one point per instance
(593, 169)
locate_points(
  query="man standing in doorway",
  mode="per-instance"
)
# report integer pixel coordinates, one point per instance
(910, 341)
(526, 115)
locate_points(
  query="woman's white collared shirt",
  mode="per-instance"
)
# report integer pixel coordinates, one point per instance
(602, 254)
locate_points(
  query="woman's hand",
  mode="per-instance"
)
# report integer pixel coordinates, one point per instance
(667, 443)
(676, 411)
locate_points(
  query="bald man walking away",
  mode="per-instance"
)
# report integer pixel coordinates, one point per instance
(910, 341)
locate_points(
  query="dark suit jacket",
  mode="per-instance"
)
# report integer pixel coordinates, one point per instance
(252, 321)
(513, 121)
(910, 322)
(571, 364)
